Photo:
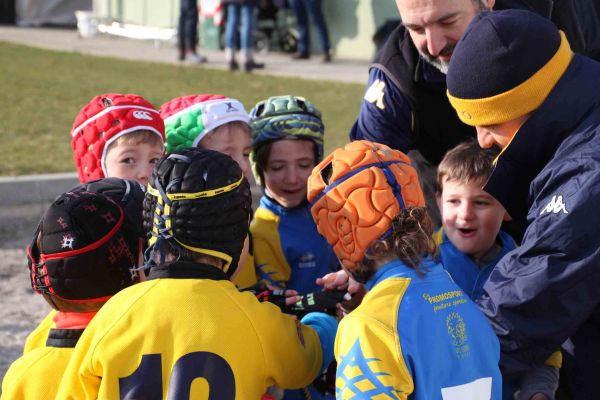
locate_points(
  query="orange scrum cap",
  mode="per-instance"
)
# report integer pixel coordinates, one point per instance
(356, 192)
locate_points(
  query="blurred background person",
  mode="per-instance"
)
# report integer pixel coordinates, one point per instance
(313, 7)
(187, 32)
(240, 15)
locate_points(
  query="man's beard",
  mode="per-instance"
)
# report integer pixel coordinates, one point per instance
(436, 61)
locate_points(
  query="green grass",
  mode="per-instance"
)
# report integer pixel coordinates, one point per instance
(42, 92)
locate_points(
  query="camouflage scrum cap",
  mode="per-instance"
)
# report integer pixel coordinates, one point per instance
(285, 117)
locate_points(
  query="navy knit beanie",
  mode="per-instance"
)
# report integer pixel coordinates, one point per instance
(505, 66)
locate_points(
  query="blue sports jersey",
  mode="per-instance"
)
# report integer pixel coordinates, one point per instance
(469, 276)
(416, 337)
(288, 250)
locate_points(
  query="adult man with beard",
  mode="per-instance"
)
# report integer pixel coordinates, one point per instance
(405, 105)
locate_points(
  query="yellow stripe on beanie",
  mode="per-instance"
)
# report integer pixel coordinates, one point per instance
(519, 100)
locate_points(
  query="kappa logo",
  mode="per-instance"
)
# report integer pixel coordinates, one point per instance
(142, 115)
(555, 206)
(375, 94)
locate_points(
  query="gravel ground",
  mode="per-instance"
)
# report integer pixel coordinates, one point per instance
(21, 308)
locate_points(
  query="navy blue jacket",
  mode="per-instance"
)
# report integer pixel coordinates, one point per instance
(405, 105)
(548, 179)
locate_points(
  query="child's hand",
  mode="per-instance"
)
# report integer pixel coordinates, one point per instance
(291, 297)
(340, 281)
(282, 298)
(326, 301)
(334, 281)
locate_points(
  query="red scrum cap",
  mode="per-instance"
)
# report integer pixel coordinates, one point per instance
(104, 119)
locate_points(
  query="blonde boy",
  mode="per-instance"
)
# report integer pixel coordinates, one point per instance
(213, 122)
(209, 121)
(117, 135)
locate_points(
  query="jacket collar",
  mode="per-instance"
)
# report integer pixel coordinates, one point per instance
(187, 270)
(397, 269)
(270, 203)
(63, 338)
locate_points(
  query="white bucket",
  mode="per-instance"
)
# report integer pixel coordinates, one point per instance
(87, 25)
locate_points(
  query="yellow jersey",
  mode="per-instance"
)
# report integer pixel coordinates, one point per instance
(37, 374)
(189, 333)
(37, 338)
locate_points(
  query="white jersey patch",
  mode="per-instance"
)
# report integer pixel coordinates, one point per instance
(480, 389)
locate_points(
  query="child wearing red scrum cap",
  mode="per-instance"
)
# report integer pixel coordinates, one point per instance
(117, 135)
(84, 251)
(209, 121)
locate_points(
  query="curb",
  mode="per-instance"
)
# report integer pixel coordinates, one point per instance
(24, 199)
(44, 188)
(34, 189)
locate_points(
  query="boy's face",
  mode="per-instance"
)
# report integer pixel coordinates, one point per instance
(233, 140)
(470, 216)
(288, 168)
(132, 161)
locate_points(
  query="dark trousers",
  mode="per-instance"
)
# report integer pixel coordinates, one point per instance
(581, 359)
(188, 27)
(313, 7)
